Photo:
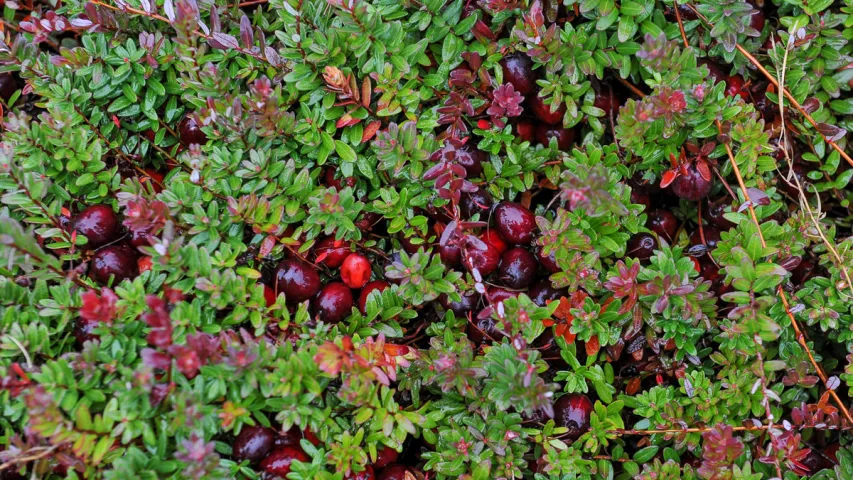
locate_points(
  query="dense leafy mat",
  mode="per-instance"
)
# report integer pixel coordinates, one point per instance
(407, 239)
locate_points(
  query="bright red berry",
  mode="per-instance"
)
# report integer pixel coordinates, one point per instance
(374, 286)
(573, 411)
(355, 271)
(333, 303)
(99, 224)
(279, 461)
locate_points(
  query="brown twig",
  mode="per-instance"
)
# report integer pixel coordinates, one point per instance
(630, 86)
(680, 24)
(29, 458)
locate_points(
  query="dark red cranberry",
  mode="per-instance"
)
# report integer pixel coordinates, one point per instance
(757, 21)
(333, 303)
(525, 130)
(467, 303)
(714, 214)
(472, 203)
(376, 285)
(691, 185)
(564, 136)
(573, 412)
(708, 269)
(711, 234)
(514, 222)
(483, 330)
(337, 183)
(804, 271)
(641, 198)
(385, 456)
(482, 256)
(451, 255)
(494, 239)
(641, 246)
(99, 224)
(366, 474)
(141, 238)
(518, 70)
(279, 461)
(543, 292)
(253, 443)
(355, 271)
(367, 221)
(548, 262)
(190, 132)
(716, 73)
(607, 101)
(298, 280)
(84, 330)
(331, 252)
(292, 437)
(497, 295)
(664, 223)
(269, 296)
(518, 268)
(395, 471)
(113, 261)
(411, 247)
(8, 85)
(543, 111)
(471, 159)
(735, 86)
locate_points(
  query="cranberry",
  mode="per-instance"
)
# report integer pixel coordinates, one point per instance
(99, 224)
(154, 178)
(573, 412)
(482, 256)
(543, 111)
(190, 132)
(518, 268)
(298, 280)
(607, 101)
(492, 237)
(472, 203)
(757, 21)
(367, 221)
(518, 70)
(664, 223)
(483, 329)
(84, 330)
(564, 136)
(714, 214)
(641, 198)
(278, 462)
(543, 292)
(514, 222)
(385, 456)
(497, 295)
(471, 159)
(711, 234)
(467, 303)
(355, 272)
(333, 303)
(140, 238)
(366, 474)
(451, 255)
(269, 296)
(113, 261)
(8, 85)
(337, 183)
(410, 247)
(642, 246)
(395, 471)
(376, 285)
(292, 437)
(331, 252)
(548, 262)
(691, 185)
(708, 269)
(253, 443)
(525, 130)
(735, 86)
(715, 72)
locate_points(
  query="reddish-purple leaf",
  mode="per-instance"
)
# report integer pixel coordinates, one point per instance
(223, 41)
(831, 132)
(246, 32)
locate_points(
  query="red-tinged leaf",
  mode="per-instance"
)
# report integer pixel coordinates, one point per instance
(144, 264)
(65, 212)
(633, 386)
(704, 170)
(266, 246)
(344, 121)
(366, 92)
(668, 177)
(831, 132)
(223, 41)
(116, 121)
(370, 130)
(246, 32)
(673, 161)
(396, 350)
(593, 346)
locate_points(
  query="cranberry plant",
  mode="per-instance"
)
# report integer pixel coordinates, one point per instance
(438, 239)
